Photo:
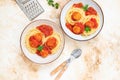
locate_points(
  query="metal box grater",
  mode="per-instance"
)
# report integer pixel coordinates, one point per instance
(31, 8)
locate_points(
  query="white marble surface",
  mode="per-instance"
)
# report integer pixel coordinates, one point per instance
(100, 59)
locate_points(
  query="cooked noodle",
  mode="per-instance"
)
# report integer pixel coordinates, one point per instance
(83, 19)
(34, 31)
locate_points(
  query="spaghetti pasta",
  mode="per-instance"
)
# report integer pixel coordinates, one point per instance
(44, 49)
(89, 17)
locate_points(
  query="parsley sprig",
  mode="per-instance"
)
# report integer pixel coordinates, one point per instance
(87, 29)
(53, 4)
(40, 48)
(85, 8)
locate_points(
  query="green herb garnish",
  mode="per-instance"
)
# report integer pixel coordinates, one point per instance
(56, 5)
(40, 48)
(51, 3)
(87, 29)
(85, 8)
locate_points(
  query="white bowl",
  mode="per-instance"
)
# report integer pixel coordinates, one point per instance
(34, 57)
(79, 37)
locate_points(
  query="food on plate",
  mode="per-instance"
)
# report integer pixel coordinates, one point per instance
(46, 29)
(82, 19)
(51, 43)
(76, 16)
(42, 40)
(35, 40)
(78, 28)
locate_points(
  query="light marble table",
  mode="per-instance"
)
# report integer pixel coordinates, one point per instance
(100, 59)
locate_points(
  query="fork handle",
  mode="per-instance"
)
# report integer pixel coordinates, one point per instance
(58, 68)
(61, 73)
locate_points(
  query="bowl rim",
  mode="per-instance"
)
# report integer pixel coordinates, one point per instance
(89, 38)
(60, 34)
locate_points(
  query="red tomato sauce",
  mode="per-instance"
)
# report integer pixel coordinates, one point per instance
(46, 29)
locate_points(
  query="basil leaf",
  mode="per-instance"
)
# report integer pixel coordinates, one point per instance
(87, 29)
(50, 2)
(85, 8)
(53, 4)
(40, 48)
(56, 5)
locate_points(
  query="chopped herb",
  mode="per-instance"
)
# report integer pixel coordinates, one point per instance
(87, 29)
(56, 5)
(50, 0)
(51, 3)
(85, 8)
(40, 48)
